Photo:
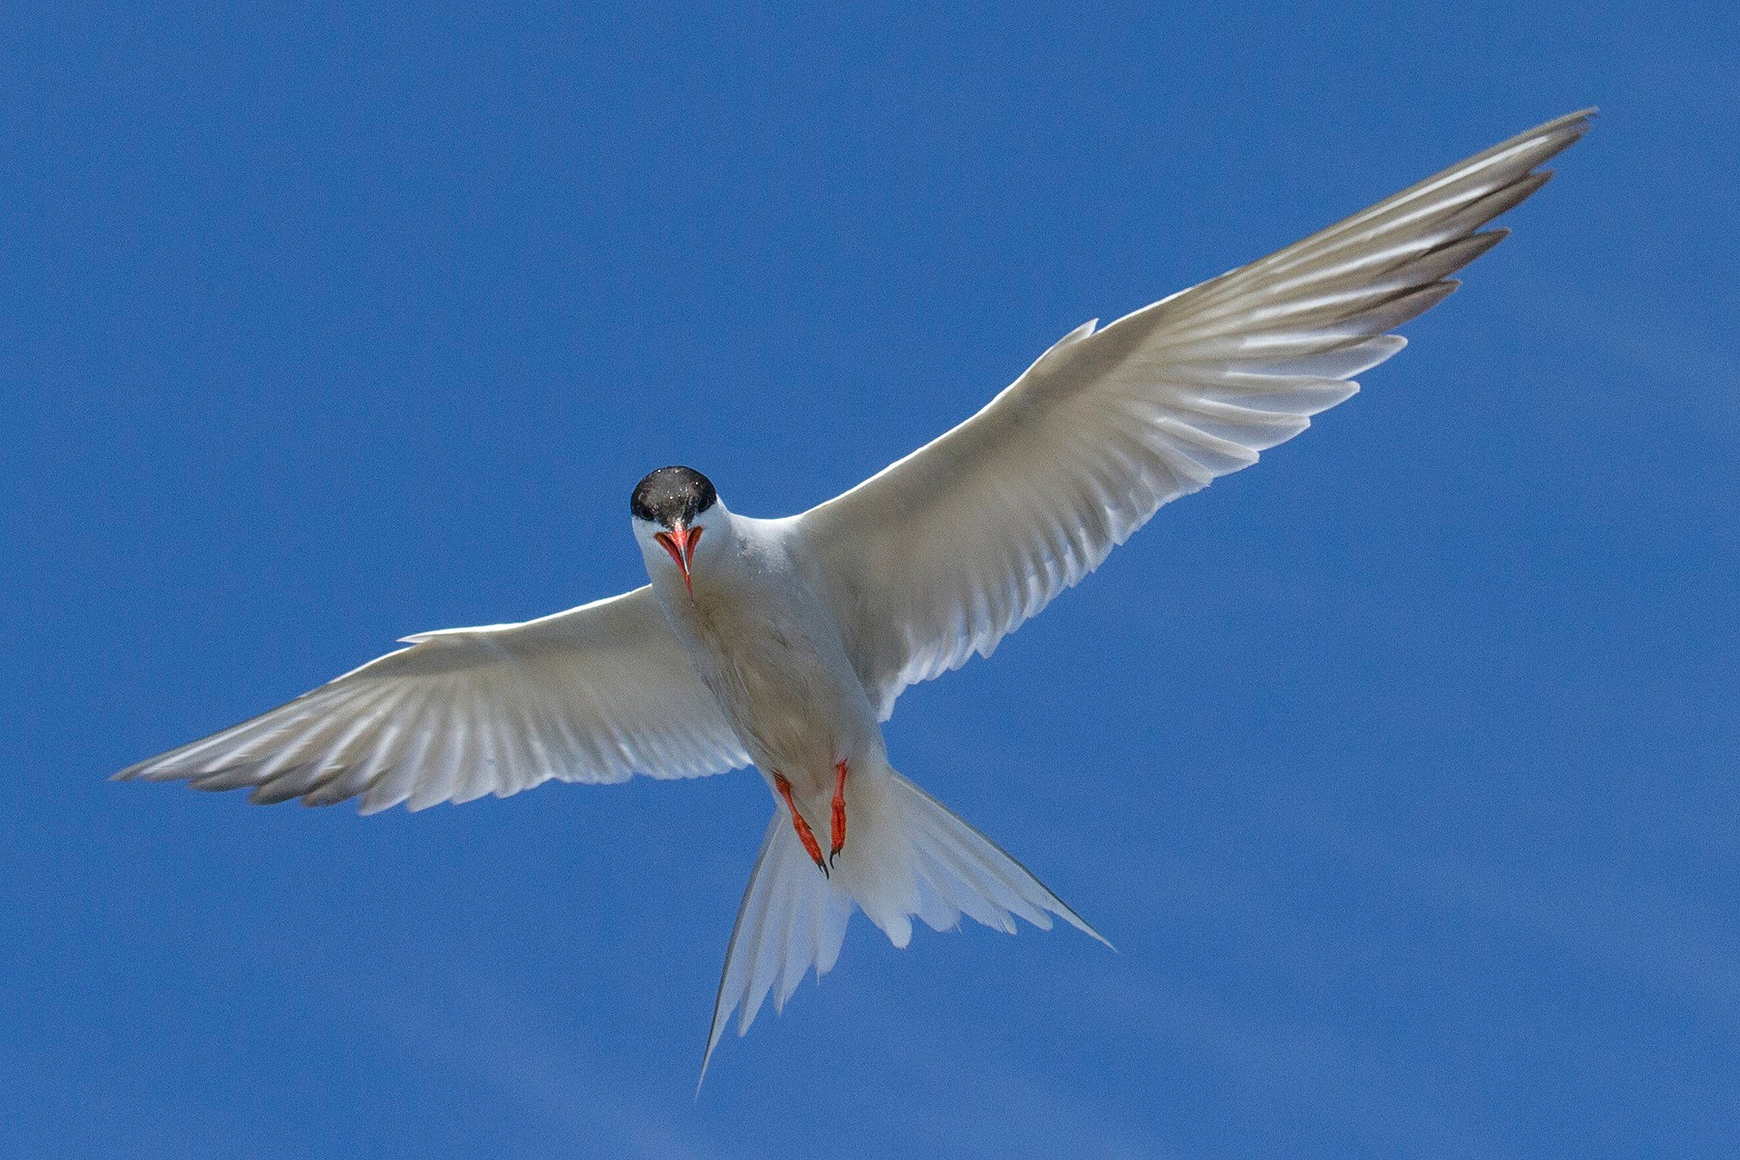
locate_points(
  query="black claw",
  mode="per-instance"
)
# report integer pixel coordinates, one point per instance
(832, 854)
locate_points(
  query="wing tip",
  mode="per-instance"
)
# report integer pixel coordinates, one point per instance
(1561, 132)
(151, 769)
(1571, 126)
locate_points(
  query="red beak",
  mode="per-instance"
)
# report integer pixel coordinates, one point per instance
(680, 543)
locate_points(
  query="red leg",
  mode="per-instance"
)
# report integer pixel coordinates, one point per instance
(797, 820)
(839, 818)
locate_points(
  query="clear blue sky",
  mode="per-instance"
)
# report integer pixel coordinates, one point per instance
(1401, 768)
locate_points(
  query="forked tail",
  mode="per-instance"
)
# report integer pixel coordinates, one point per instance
(908, 855)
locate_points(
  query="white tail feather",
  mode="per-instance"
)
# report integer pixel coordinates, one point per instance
(907, 854)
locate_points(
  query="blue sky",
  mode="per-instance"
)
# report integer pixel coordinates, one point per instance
(1400, 768)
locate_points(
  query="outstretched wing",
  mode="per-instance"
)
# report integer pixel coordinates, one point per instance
(595, 694)
(940, 555)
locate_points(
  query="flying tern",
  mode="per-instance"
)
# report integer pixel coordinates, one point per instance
(784, 643)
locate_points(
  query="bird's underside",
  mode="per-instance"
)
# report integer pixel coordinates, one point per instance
(900, 579)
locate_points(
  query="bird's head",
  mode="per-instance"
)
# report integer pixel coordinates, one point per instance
(675, 509)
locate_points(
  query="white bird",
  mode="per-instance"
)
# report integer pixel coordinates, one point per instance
(786, 642)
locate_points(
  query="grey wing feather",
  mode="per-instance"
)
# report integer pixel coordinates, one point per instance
(941, 554)
(594, 694)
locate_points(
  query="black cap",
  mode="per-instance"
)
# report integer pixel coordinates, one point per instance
(672, 495)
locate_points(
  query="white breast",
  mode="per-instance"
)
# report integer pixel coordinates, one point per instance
(773, 659)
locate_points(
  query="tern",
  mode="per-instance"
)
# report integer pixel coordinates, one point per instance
(785, 643)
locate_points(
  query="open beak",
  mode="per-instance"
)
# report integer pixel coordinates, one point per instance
(680, 543)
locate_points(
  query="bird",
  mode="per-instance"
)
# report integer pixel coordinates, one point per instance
(785, 643)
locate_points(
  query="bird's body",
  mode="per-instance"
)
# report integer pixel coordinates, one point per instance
(785, 643)
(771, 656)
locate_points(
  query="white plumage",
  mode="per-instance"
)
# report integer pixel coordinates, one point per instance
(597, 694)
(787, 642)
